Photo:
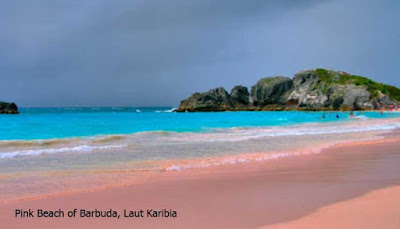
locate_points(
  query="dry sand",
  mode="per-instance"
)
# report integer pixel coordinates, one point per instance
(248, 195)
(377, 209)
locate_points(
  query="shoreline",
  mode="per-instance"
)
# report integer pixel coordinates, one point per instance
(175, 167)
(54, 173)
(256, 193)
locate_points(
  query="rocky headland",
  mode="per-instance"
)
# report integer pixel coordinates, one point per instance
(313, 90)
(8, 108)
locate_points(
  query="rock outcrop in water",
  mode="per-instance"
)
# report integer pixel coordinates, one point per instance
(213, 100)
(318, 89)
(8, 108)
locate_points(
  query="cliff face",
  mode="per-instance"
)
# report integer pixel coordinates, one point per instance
(8, 108)
(213, 100)
(272, 90)
(239, 97)
(317, 89)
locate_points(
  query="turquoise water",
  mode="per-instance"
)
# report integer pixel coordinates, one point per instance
(59, 150)
(48, 123)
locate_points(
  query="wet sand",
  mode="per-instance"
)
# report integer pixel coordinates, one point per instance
(250, 195)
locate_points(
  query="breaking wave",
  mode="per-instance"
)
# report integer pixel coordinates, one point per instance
(247, 158)
(36, 152)
(166, 111)
(174, 143)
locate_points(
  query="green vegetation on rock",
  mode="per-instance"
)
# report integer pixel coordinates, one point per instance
(328, 78)
(313, 90)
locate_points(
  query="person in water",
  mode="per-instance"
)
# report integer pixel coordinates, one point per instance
(337, 116)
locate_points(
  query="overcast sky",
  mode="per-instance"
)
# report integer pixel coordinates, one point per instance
(157, 52)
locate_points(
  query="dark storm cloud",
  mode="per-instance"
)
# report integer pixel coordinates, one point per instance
(156, 52)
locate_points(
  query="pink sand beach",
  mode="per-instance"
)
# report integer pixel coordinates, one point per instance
(332, 189)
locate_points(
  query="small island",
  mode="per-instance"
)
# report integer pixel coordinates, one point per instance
(309, 90)
(8, 108)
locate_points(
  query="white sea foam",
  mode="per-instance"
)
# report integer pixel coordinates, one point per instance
(256, 133)
(237, 160)
(166, 111)
(170, 110)
(37, 152)
(166, 140)
(231, 161)
(360, 117)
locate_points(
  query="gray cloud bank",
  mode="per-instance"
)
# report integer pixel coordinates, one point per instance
(157, 52)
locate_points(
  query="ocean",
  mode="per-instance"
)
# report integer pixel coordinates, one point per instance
(58, 123)
(50, 151)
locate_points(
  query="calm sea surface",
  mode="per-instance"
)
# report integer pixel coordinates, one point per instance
(48, 123)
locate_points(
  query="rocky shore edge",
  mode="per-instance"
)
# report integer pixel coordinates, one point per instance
(309, 90)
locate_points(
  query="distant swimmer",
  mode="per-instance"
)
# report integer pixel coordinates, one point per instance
(337, 116)
(323, 116)
(352, 114)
